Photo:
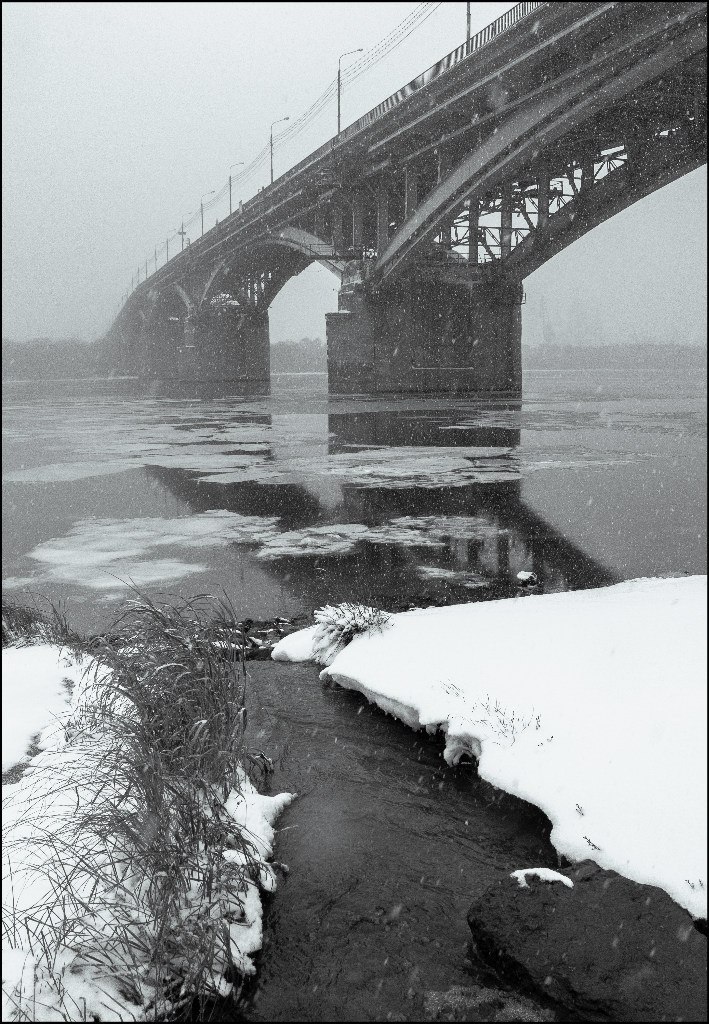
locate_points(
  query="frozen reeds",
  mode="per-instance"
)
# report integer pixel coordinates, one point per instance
(129, 871)
(338, 624)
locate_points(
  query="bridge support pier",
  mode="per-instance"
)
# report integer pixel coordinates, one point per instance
(226, 346)
(427, 335)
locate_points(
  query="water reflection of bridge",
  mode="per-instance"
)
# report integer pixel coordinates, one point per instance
(459, 540)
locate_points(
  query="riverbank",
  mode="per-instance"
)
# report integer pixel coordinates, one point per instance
(540, 690)
(389, 848)
(136, 844)
(599, 696)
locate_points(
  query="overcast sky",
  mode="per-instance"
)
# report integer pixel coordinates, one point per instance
(119, 117)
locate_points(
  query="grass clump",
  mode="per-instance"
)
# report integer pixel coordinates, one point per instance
(23, 626)
(338, 624)
(138, 875)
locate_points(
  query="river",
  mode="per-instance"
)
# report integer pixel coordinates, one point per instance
(294, 500)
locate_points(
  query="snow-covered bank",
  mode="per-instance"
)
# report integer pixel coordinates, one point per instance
(81, 940)
(35, 690)
(591, 705)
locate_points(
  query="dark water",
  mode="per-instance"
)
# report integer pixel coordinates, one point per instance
(387, 848)
(294, 500)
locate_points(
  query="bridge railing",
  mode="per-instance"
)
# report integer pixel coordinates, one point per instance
(441, 67)
(475, 43)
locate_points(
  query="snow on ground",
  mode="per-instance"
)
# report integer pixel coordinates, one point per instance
(591, 705)
(95, 974)
(34, 693)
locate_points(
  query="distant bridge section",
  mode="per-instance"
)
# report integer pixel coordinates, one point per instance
(434, 207)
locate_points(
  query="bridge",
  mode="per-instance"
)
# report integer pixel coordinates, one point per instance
(435, 206)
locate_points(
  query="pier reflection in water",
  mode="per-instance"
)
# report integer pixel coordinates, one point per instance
(395, 507)
(297, 499)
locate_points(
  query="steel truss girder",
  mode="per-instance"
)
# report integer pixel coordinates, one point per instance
(534, 130)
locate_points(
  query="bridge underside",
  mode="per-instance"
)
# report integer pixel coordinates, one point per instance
(436, 222)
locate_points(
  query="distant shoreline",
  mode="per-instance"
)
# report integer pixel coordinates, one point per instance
(51, 363)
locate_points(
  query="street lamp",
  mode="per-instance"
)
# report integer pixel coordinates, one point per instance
(201, 206)
(181, 231)
(467, 28)
(280, 121)
(239, 163)
(339, 82)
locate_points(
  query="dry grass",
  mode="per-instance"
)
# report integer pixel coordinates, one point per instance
(141, 892)
(341, 623)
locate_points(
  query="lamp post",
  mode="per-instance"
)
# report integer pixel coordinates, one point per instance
(181, 231)
(201, 206)
(339, 83)
(239, 163)
(280, 121)
(467, 28)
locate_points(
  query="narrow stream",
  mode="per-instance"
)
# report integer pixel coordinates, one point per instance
(386, 846)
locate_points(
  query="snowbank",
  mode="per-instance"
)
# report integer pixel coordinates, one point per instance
(591, 705)
(79, 958)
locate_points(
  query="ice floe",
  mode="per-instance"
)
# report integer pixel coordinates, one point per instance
(106, 554)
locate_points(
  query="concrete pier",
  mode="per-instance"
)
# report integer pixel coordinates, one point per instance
(430, 334)
(221, 345)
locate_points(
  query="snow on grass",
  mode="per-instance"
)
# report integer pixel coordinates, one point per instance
(335, 627)
(591, 705)
(135, 846)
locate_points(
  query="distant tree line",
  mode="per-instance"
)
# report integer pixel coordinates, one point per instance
(309, 355)
(48, 358)
(646, 355)
(51, 358)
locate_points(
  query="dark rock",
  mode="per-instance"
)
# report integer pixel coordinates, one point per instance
(608, 949)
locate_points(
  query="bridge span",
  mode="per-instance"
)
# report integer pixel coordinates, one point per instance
(434, 207)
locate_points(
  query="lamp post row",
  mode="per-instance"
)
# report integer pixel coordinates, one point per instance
(240, 163)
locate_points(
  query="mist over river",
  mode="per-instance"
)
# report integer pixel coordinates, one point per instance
(293, 500)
